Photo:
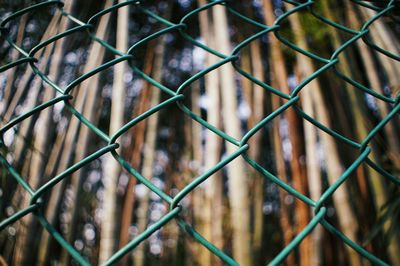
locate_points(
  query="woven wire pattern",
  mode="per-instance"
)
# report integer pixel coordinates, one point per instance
(175, 97)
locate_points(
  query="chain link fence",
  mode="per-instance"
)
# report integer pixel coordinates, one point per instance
(175, 97)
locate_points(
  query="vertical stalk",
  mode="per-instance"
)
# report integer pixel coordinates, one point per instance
(308, 249)
(112, 168)
(347, 220)
(238, 184)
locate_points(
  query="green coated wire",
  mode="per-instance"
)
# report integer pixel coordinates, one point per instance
(176, 96)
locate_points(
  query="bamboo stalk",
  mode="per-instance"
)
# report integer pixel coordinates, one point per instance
(347, 220)
(238, 184)
(257, 115)
(198, 157)
(90, 88)
(25, 234)
(10, 83)
(137, 148)
(379, 191)
(112, 168)
(308, 250)
(54, 71)
(139, 256)
(213, 211)
(380, 35)
(383, 37)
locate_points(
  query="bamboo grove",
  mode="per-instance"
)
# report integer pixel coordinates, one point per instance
(199, 132)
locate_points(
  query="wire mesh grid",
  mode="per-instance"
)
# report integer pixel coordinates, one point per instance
(175, 97)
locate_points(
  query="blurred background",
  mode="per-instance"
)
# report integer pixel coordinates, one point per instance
(101, 207)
